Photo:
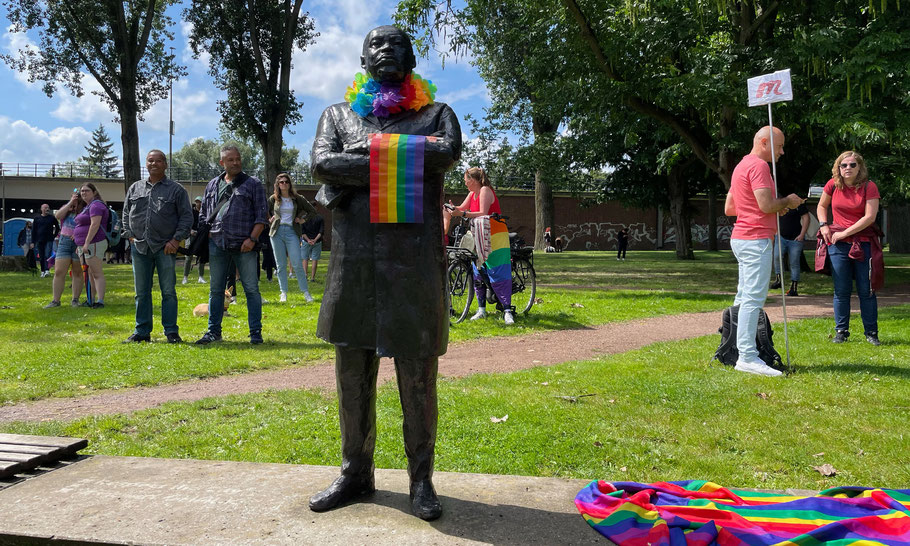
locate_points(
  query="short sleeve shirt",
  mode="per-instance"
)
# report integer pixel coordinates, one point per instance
(849, 204)
(84, 221)
(751, 174)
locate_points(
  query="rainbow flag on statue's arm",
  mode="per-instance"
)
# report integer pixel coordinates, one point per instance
(396, 178)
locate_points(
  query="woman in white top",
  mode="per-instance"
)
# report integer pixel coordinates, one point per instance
(288, 210)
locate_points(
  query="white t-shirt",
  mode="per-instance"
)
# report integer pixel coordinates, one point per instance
(287, 211)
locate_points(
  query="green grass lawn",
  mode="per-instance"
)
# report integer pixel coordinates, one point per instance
(73, 351)
(664, 412)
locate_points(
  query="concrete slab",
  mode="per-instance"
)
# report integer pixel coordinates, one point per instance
(126, 500)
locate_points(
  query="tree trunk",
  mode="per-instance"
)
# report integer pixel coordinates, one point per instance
(271, 152)
(712, 216)
(129, 139)
(679, 212)
(899, 228)
(544, 210)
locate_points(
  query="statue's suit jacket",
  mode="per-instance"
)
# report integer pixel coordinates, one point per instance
(386, 286)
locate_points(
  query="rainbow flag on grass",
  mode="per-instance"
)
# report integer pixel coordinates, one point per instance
(700, 512)
(396, 178)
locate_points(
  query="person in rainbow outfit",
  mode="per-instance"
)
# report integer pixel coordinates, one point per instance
(381, 156)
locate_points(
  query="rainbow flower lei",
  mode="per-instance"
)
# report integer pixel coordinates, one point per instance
(367, 96)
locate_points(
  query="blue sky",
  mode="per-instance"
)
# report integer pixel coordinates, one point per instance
(38, 129)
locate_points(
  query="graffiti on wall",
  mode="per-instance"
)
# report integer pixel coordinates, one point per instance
(700, 231)
(602, 235)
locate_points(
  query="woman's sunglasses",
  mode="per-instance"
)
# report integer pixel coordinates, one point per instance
(845, 165)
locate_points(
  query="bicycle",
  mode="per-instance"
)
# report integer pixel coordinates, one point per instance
(460, 274)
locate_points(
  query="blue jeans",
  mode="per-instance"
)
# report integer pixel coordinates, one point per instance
(220, 262)
(844, 270)
(43, 249)
(286, 243)
(144, 266)
(792, 249)
(754, 258)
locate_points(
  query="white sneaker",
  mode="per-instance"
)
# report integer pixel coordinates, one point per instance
(201, 280)
(509, 317)
(481, 313)
(757, 367)
(185, 280)
(283, 297)
(308, 297)
(44, 274)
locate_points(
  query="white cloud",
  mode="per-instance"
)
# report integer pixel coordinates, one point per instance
(192, 108)
(23, 143)
(14, 42)
(193, 64)
(329, 65)
(89, 108)
(466, 94)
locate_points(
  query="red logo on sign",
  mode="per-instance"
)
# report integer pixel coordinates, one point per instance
(772, 86)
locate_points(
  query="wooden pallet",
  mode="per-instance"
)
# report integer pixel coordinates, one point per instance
(20, 453)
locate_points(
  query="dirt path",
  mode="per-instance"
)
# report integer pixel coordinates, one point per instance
(497, 355)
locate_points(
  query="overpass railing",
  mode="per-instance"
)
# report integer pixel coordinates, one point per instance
(114, 172)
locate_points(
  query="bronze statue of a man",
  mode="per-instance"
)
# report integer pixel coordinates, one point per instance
(385, 290)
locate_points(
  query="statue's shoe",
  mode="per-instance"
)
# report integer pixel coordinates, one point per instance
(344, 489)
(424, 502)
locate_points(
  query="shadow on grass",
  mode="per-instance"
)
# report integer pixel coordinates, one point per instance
(846, 367)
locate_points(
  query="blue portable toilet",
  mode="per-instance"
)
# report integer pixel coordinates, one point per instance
(11, 229)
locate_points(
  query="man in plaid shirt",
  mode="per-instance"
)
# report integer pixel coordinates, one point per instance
(234, 209)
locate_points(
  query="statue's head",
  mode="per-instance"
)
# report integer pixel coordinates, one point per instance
(388, 55)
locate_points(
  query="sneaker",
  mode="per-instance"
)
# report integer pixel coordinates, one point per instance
(98, 305)
(308, 297)
(52, 305)
(85, 304)
(840, 336)
(207, 338)
(481, 313)
(872, 337)
(756, 367)
(256, 337)
(44, 274)
(173, 337)
(137, 338)
(201, 280)
(75, 303)
(185, 280)
(509, 317)
(283, 297)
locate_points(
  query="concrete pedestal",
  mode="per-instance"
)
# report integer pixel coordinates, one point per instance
(124, 500)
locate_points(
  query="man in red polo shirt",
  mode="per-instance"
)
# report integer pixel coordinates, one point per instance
(752, 199)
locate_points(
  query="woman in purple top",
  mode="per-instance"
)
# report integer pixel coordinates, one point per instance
(67, 258)
(90, 239)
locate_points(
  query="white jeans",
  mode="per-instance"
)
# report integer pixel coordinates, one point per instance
(754, 257)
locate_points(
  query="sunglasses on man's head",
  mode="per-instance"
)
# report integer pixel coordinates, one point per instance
(845, 165)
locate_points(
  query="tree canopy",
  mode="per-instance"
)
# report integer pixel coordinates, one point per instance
(120, 44)
(250, 44)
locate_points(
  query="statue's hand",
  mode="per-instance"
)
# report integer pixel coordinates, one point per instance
(362, 147)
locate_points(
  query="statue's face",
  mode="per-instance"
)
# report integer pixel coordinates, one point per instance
(387, 54)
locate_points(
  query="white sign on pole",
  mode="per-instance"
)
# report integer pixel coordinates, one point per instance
(770, 88)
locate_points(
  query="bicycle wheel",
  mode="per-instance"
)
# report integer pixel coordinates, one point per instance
(524, 282)
(461, 290)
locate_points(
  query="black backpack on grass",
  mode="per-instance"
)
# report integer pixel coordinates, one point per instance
(727, 352)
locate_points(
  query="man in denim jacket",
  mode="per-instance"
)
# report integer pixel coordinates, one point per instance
(234, 209)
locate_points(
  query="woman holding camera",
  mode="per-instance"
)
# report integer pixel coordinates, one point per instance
(66, 258)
